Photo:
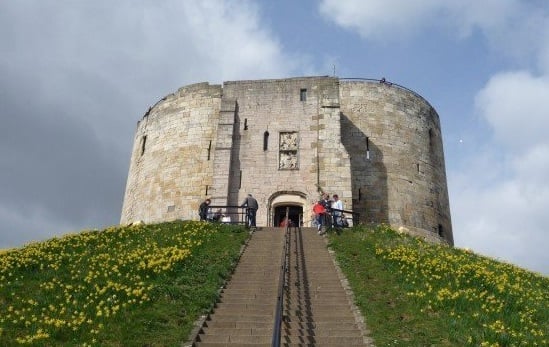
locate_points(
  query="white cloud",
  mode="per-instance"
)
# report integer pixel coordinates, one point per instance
(76, 76)
(501, 198)
(390, 19)
(513, 28)
(515, 104)
(500, 195)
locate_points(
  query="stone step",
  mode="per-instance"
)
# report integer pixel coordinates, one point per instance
(338, 325)
(350, 332)
(235, 339)
(238, 317)
(320, 340)
(245, 308)
(225, 344)
(248, 331)
(250, 324)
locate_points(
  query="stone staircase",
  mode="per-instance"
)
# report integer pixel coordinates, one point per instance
(317, 311)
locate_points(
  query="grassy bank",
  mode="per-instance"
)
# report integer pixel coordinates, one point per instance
(146, 285)
(417, 294)
(131, 286)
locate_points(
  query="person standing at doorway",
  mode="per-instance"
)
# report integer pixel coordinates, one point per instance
(251, 209)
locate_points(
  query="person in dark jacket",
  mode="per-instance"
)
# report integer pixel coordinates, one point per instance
(251, 209)
(203, 209)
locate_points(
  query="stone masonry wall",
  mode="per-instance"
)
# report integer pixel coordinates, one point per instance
(376, 145)
(169, 169)
(275, 106)
(402, 180)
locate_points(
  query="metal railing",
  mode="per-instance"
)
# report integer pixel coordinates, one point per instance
(344, 219)
(227, 214)
(277, 328)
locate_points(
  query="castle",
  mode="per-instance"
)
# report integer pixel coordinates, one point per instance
(376, 144)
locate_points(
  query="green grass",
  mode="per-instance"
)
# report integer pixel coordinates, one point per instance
(413, 293)
(146, 286)
(128, 286)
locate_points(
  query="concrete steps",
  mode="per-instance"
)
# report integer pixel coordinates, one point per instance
(316, 311)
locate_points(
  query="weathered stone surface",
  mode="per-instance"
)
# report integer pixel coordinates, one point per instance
(378, 146)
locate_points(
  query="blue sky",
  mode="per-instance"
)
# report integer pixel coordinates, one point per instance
(76, 76)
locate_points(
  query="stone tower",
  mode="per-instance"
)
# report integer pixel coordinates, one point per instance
(375, 144)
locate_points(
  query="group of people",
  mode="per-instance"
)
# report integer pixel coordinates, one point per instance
(329, 212)
(250, 203)
(206, 215)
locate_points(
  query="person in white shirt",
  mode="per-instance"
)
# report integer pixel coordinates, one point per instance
(337, 205)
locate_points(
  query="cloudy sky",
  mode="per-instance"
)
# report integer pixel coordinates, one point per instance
(76, 76)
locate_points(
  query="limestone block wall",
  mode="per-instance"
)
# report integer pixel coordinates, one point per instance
(304, 109)
(398, 172)
(378, 146)
(171, 164)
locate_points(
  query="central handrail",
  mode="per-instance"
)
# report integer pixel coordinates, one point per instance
(281, 283)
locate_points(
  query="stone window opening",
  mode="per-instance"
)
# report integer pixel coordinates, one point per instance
(171, 208)
(245, 123)
(209, 149)
(440, 231)
(303, 94)
(143, 142)
(367, 148)
(206, 192)
(265, 140)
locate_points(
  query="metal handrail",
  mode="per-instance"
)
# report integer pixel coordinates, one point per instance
(355, 215)
(277, 329)
(231, 211)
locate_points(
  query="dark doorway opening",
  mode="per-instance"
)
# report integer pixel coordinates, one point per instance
(295, 214)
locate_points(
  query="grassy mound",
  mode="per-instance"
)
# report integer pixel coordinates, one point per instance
(132, 286)
(413, 293)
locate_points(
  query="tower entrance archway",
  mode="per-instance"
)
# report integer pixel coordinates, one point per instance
(282, 201)
(295, 214)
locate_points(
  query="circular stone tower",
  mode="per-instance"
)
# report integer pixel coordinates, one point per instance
(375, 144)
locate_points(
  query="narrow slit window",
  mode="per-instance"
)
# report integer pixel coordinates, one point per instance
(303, 94)
(359, 194)
(143, 142)
(240, 180)
(440, 230)
(265, 140)
(367, 148)
(209, 149)
(206, 193)
(245, 123)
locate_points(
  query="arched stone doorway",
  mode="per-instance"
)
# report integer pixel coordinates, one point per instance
(292, 201)
(295, 214)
